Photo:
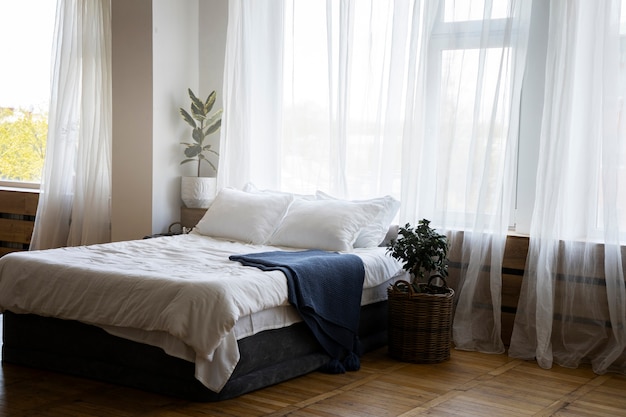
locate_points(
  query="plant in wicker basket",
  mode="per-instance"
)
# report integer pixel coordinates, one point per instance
(420, 314)
(424, 254)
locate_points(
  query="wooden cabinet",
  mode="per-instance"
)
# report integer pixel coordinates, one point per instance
(189, 217)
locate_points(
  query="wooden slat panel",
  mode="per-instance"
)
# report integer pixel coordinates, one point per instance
(15, 206)
(507, 327)
(514, 262)
(515, 252)
(511, 285)
(18, 202)
(18, 231)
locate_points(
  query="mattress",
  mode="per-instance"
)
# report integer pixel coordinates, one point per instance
(161, 292)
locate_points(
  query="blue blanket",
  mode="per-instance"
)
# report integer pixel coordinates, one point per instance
(325, 288)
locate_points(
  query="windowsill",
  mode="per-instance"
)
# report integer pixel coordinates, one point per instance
(19, 187)
(512, 233)
(524, 240)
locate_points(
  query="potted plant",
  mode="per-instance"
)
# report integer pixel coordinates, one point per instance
(424, 253)
(420, 313)
(198, 192)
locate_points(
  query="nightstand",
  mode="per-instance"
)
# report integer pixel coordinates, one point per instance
(189, 217)
(174, 229)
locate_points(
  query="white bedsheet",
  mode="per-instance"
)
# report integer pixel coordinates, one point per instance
(180, 293)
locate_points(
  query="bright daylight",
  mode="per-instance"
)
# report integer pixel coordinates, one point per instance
(26, 28)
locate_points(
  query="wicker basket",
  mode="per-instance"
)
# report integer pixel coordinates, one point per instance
(419, 324)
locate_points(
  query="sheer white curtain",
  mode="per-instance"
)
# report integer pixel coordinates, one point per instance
(460, 146)
(307, 100)
(252, 94)
(74, 206)
(363, 98)
(572, 307)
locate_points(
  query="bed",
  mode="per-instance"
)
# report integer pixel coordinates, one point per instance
(175, 315)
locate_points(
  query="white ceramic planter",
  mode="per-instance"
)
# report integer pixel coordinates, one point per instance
(197, 192)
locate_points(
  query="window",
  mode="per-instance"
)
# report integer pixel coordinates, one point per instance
(352, 77)
(26, 31)
(417, 101)
(473, 77)
(470, 64)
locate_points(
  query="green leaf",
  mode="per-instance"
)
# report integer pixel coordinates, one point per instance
(198, 135)
(187, 160)
(210, 101)
(214, 127)
(198, 113)
(197, 107)
(421, 249)
(216, 116)
(193, 151)
(195, 101)
(187, 117)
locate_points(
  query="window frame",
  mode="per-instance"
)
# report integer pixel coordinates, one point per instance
(20, 185)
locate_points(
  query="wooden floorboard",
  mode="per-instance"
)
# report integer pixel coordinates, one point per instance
(469, 384)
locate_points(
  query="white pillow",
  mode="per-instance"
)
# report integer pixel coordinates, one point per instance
(372, 234)
(251, 188)
(245, 217)
(330, 225)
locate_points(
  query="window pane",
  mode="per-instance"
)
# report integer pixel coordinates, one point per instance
(26, 30)
(473, 125)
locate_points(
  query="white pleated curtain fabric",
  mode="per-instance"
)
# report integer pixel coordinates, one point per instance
(252, 94)
(460, 147)
(74, 204)
(572, 307)
(370, 97)
(307, 93)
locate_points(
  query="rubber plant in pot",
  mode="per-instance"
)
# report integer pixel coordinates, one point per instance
(198, 191)
(424, 254)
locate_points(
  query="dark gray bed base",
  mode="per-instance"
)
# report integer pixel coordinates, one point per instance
(267, 358)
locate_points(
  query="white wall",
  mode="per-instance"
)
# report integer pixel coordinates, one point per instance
(212, 39)
(176, 68)
(160, 48)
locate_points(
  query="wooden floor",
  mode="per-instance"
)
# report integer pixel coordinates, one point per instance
(469, 384)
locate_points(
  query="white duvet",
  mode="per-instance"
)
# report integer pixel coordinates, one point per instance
(181, 293)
